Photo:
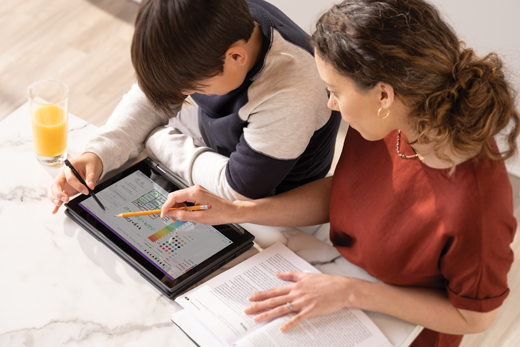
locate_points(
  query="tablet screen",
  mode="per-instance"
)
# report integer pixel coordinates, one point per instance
(173, 248)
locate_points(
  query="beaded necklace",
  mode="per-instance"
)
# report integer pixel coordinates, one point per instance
(416, 155)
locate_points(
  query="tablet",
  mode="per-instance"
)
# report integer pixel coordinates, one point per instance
(171, 255)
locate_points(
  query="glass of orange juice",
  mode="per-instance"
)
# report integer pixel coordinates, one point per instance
(49, 117)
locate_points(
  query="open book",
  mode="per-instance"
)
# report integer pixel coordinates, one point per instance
(213, 313)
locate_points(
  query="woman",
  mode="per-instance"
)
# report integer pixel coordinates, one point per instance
(420, 198)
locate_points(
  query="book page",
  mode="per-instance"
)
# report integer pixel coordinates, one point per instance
(195, 331)
(219, 305)
(345, 328)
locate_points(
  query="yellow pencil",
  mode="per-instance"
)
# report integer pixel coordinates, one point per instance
(145, 213)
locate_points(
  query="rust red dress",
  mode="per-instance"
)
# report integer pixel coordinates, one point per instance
(411, 225)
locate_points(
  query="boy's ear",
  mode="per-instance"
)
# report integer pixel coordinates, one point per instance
(236, 56)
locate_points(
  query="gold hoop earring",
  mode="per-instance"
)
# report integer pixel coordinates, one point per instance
(379, 111)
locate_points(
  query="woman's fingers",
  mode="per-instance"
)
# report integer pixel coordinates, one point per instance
(290, 276)
(294, 321)
(272, 298)
(222, 211)
(280, 298)
(279, 310)
(267, 294)
(175, 199)
(309, 295)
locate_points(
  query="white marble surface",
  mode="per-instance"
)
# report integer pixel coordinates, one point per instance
(61, 287)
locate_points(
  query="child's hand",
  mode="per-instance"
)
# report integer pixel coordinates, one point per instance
(221, 212)
(65, 185)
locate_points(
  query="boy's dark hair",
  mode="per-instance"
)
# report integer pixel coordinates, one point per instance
(179, 43)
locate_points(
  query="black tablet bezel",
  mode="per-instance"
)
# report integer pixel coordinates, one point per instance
(239, 236)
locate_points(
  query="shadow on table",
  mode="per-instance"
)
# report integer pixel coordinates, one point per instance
(98, 253)
(125, 10)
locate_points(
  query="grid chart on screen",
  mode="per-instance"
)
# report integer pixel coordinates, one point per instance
(153, 200)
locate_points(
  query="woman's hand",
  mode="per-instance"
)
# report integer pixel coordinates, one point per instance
(310, 295)
(222, 211)
(65, 185)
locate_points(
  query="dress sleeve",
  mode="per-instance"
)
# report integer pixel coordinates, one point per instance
(477, 259)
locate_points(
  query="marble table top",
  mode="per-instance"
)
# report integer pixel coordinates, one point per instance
(61, 287)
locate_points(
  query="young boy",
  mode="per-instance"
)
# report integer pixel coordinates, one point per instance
(259, 124)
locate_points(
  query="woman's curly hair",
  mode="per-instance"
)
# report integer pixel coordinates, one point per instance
(462, 99)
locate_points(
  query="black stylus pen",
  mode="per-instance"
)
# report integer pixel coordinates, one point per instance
(67, 162)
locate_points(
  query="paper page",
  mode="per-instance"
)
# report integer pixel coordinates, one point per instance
(219, 304)
(345, 328)
(197, 333)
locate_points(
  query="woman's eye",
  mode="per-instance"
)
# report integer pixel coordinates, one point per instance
(329, 93)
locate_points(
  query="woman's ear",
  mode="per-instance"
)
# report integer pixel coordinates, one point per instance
(386, 95)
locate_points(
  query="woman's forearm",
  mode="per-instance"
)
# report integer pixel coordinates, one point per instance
(426, 307)
(302, 206)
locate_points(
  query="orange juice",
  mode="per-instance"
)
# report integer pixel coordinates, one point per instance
(49, 126)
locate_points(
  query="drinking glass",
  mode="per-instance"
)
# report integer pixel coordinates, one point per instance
(49, 117)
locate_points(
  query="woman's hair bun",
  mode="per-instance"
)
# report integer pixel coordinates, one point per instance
(469, 68)
(485, 102)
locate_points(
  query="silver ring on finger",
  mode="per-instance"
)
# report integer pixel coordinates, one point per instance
(289, 305)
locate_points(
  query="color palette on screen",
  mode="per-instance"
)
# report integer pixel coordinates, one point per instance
(171, 246)
(165, 231)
